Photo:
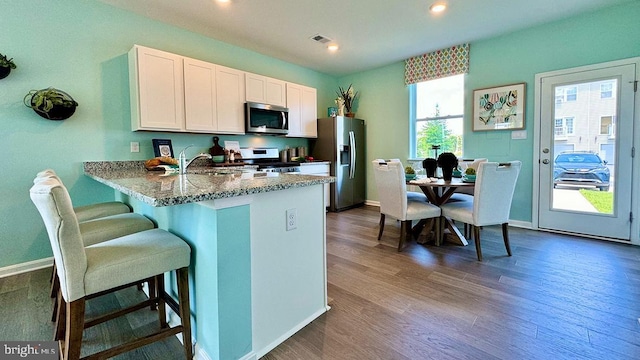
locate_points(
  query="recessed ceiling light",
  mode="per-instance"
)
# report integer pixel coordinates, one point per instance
(333, 47)
(437, 7)
(223, 1)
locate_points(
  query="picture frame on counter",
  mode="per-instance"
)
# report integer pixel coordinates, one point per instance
(162, 147)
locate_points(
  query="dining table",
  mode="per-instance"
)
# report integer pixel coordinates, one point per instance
(438, 192)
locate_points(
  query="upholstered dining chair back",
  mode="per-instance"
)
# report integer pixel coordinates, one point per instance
(493, 193)
(471, 163)
(56, 209)
(392, 188)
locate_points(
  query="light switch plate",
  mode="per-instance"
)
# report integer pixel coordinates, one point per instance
(135, 146)
(519, 135)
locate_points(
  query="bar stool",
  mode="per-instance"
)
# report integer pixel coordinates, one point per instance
(102, 222)
(85, 272)
(93, 211)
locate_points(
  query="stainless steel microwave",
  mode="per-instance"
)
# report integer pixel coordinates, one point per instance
(266, 119)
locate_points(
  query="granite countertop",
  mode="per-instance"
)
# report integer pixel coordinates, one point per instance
(199, 184)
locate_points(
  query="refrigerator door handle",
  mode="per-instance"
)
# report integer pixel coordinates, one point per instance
(352, 148)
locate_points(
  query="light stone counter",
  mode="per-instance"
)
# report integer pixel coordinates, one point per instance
(199, 184)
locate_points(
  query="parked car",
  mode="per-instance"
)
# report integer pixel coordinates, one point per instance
(581, 168)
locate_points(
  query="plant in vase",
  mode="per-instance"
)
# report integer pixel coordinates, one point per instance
(469, 174)
(5, 66)
(51, 103)
(348, 96)
(409, 173)
(447, 161)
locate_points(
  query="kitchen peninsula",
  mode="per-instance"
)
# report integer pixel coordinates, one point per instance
(258, 268)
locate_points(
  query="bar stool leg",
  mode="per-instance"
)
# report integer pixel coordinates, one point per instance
(185, 313)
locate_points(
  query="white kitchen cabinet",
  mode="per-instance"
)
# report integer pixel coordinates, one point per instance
(320, 168)
(303, 107)
(266, 90)
(157, 90)
(200, 96)
(230, 87)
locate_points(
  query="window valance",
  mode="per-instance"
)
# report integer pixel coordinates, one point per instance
(437, 64)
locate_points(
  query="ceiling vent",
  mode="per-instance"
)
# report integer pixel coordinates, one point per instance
(320, 38)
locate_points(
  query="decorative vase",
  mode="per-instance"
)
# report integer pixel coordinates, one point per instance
(430, 165)
(447, 173)
(351, 114)
(341, 111)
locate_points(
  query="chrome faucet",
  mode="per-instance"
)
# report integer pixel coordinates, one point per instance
(183, 164)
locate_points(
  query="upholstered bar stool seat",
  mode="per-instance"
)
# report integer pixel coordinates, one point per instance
(88, 271)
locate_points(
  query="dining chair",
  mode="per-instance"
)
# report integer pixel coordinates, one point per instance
(86, 272)
(491, 201)
(392, 191)
(411, 195)
(464, 164)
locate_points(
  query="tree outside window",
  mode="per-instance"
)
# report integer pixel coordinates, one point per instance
(437, 113)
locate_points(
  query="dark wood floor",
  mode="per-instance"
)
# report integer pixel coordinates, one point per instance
(557, 297)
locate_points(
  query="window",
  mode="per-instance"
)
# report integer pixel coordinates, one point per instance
(437, 109)
(566, 93)
(607, 125)
(606, 90)
(564, 126)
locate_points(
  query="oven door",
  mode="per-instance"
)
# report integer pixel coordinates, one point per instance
(266, 119)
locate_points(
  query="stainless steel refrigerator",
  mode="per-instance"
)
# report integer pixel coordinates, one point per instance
(341, 141)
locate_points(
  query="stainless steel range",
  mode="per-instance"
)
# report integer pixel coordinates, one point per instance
(268, 160)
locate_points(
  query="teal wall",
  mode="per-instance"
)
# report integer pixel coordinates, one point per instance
(601, 36)
(80, 47)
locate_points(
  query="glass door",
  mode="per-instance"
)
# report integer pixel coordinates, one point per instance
(586, 138)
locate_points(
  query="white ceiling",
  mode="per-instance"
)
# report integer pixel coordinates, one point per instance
(371, 33)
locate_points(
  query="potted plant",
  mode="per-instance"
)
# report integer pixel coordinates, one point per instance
(346, 98)
(447, 161)
(5, 66)
(51, 103)
(409, 173)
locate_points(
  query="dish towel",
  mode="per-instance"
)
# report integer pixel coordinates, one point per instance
(424, 180)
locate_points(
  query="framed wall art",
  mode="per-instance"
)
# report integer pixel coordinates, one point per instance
(162, 147)
(499, 108)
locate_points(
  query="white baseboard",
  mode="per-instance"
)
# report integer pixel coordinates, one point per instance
(26, 267)
(521, 224)
(372, 203)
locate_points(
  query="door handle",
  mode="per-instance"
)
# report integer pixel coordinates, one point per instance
(545, 161)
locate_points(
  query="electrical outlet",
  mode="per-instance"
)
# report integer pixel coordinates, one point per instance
(135, 146)
(292, 219)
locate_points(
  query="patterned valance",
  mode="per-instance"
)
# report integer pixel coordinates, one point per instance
(438, 64)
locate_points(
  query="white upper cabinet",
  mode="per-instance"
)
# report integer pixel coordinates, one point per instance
(200, 97)
(157, 94)
(231, 98)
(266, 90)
(174, 93)
(303, 106)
